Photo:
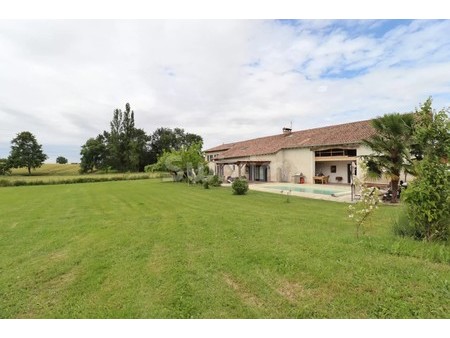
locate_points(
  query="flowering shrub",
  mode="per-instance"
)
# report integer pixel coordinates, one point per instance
(360, 211)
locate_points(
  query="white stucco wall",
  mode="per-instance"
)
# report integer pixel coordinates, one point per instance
(283, 165)
(289, 162)
(361, 151)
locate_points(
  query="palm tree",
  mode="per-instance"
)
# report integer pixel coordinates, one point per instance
(391, 147)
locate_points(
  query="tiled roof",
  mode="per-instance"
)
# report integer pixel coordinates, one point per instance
(224, 146)
(347, 133)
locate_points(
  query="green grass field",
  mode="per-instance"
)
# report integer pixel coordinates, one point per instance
(148, 249)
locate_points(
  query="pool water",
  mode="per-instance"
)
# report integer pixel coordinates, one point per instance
(321, 191)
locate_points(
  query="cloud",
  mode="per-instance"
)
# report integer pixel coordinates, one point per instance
(226, 80)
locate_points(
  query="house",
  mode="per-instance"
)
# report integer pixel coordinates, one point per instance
(328, 151)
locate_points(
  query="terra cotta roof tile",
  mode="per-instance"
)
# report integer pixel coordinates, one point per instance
(340, 134)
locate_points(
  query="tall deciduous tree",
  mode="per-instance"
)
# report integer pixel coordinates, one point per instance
(391, 147)
(120, 138)
(26, 152)
(127, 145)
(94, 154)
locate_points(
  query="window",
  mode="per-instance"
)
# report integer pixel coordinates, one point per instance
(333, 169)
(209, 158)
(336, 152)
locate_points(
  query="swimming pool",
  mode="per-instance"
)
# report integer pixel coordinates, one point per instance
(311, 190)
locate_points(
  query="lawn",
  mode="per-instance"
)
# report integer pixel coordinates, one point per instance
(149, 249)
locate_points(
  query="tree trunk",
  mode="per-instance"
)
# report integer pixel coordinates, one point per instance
(29, 171)
(394, 189)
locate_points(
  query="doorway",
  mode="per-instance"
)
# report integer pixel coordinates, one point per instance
(258, 173)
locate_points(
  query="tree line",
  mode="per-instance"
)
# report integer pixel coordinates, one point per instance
(122, 148)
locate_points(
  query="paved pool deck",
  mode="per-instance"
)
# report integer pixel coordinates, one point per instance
(343, 196)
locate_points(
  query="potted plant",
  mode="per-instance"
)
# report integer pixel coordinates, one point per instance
(302, 178)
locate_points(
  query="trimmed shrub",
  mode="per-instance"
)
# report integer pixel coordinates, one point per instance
(239, 186)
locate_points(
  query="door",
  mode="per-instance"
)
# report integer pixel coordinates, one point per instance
(262, 177)
(257, 172)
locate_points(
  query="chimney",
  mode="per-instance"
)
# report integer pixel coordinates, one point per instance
(286, 131)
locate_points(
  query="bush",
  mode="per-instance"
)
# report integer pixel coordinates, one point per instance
(427, 199)
(206, 171)
(214, 181)
(4, 167)
(206, 184)
(428, 196)
(404, 228)
(150, 168)
(240, 186)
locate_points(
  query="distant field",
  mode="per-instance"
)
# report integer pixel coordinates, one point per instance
(148, 249)
(50, 169)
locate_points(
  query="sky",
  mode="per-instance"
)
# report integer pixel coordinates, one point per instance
(226, 80)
